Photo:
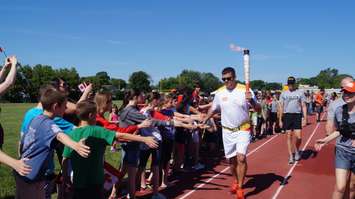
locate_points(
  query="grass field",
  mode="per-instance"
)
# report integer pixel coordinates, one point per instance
(11, 118)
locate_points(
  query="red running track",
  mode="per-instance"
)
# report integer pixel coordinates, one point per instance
(269, 174)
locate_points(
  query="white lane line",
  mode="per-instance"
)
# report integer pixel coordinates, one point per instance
(224, 170)
(295, 164)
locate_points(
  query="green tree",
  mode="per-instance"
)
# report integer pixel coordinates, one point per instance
(188, 78)
(257, 84)
(209, 82)
(140, 81)
(273, 86)
(167, 84)
(119, 85)
(72, 78)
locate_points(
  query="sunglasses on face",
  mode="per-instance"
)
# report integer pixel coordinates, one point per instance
(225, 79)
(347, 92)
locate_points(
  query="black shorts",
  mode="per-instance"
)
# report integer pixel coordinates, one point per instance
(211, 137)
(90, 192)
(182, 135)
(319, 109)
(144, 156)
(292, 121)
(131, 153)
(166, 151)
(273, 117)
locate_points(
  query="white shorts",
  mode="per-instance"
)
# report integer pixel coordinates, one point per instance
(235, 142)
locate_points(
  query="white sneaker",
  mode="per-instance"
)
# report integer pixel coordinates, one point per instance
(199, 166)
(291, 160)
(297, 156)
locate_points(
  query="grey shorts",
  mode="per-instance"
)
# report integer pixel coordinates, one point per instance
(344, 160)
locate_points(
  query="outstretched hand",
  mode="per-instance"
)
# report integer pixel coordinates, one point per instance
(319, 144)
(151, 142)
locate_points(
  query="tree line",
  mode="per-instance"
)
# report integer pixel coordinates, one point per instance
(30, 78)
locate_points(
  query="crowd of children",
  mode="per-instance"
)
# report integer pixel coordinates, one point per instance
(167, 128)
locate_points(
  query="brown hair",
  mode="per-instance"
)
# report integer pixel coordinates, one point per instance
(50, 97)
(101, 100)
(84, 108)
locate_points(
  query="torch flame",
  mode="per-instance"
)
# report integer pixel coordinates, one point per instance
(236, 48)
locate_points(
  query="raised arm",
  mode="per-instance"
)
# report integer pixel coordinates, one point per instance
(10, 79)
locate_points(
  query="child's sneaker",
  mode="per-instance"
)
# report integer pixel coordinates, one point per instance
(198, 166)
(158, 196)
(291, 160)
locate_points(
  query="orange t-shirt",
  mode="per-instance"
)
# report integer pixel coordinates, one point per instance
(319, 98)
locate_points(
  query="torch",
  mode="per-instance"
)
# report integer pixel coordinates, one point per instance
(246, 68)
(246, 52)
(3, 51)
(18, 65)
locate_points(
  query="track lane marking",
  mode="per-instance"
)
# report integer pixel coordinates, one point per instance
(225, 169)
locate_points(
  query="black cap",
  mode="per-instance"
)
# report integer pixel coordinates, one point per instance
(246, 52)
(291, 80)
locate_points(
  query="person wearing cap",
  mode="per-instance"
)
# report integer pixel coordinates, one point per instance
(233, 102)
(292, 106)
(330, 127)
(344, 119)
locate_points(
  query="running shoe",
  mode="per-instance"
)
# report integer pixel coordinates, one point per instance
(291, 160)
(158, 196)
(297, 156)
(198, 166)
(240, 194)
(234, 187)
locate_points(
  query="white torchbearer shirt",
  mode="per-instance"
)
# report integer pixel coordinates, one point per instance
(233, 105)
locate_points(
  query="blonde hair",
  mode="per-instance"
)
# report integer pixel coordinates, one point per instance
(101, 100)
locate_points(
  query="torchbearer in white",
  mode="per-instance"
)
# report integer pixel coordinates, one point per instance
(233, 101)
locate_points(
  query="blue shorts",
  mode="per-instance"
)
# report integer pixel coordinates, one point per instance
(344, 160)
(131, 153)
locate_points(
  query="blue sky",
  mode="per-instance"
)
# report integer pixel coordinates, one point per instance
(164, 37)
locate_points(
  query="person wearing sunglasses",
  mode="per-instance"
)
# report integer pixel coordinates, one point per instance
(233, 102)
(330, 127)
(344, 118)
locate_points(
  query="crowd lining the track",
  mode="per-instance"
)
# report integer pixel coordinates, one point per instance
(170, 129)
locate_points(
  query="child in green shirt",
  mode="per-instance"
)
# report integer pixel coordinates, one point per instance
(88, 174)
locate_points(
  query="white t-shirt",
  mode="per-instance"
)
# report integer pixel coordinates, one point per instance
(233, 105)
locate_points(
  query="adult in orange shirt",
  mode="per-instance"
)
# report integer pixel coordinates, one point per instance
(319, 100)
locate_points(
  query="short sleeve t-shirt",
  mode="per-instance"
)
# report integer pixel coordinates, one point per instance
(333, 106)
(37, 145)
(319, 99)
(292, 101)
(89, 171)
(64, 125)
(233, 106)
(168, 132)
(274, 106)
(343, 142)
